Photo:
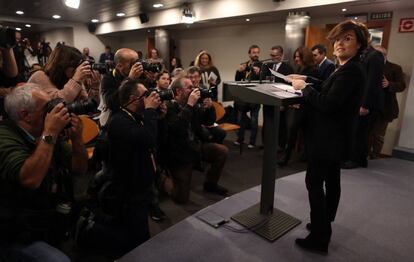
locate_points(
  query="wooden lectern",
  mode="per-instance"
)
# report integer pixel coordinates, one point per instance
(264, 219)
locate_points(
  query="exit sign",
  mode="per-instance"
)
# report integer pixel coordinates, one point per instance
(381, 15)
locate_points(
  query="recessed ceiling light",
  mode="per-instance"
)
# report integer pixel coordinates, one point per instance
(19, 12)
(28, 25)
(343, 9)
(149, 31)
(18, 29)
(72, 3)
(247, 19)
(157, 5)
(95, 20)
(356, 17)
(56, 16)
(120, 14)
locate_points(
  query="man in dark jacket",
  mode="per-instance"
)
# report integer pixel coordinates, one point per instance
(325, 66)
(248, 71)
(392, 83)
(188, 142)
(132, 136)
(372, 104)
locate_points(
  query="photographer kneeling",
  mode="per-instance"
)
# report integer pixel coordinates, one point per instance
(188, 144)
(35, 173)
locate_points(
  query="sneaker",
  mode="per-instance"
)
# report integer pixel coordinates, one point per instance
(215, 188)
(156, 213)
(250, 146)
(236, 143)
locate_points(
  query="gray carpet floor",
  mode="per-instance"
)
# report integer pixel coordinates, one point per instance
(374, 220)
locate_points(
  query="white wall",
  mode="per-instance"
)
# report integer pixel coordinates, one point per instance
(83, 38)
(59, 35)
(401, 52)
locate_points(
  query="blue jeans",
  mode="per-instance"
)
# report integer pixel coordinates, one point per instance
(41, 252)
(242, 109)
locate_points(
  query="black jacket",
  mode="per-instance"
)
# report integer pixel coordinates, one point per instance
(132, 138)
(373, 97)
(395, 76)
(185, 131)
(284, 69)
(326, 69)
(332, 111)
(248, 74)
(109, 88)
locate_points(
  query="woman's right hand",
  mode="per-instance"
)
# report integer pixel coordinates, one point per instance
(82, 72)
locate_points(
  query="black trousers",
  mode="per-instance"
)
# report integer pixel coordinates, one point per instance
(323, 202)
(361, 143)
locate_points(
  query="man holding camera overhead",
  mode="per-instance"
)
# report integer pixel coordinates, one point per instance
(188, 142)
(125, 67)
(35, 173)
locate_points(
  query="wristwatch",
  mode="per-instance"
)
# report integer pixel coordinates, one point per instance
(49, 139)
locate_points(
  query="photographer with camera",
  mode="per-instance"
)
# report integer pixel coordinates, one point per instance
(36, 168)
(64, 74)
(208, 122)
(125, 67)
(188, 144)
(247, 71)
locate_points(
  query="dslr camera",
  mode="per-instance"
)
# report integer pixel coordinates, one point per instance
(102, 68)
(7, 37)
(78, 107)
(151, 67)
(165, 95)
(205, 93)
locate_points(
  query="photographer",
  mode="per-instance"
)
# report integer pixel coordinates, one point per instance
(63, 74)
(209, 113)
(132, 137)
(36, 171)
(125, 67)
(188, 144)
(8, 73)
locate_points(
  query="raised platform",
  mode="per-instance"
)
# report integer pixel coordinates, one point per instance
(374, 223)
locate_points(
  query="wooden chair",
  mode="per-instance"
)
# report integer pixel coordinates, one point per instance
(90, 132)
(220, 112)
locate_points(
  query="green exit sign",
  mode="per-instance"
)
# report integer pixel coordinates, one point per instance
(381, 15)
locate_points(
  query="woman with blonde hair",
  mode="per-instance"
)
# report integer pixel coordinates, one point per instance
(210, 76)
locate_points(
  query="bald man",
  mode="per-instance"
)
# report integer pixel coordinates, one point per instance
(125, 66)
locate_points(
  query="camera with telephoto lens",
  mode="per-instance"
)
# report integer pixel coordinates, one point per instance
(165, 95)
(7, 37)
(205, 93)
(78, 107)
(151, 67)
(102, 68)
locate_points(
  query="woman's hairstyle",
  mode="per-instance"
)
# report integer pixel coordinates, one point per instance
(61, 58)
(177, 62)
(305, 55)
(197, 61)
(360, 30)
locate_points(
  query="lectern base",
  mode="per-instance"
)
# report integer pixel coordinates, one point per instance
(270, 227)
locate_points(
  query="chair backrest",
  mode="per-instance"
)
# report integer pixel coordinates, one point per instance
(220, 112)
(90, 129)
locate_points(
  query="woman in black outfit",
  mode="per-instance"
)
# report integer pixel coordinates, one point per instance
(330, 111)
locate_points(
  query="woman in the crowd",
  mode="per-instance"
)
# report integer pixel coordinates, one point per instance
(64, 74)
(295, 114)
(331, 110)
(210, 76)
(175, 63)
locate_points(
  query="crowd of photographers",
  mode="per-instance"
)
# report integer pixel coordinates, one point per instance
(156, 127)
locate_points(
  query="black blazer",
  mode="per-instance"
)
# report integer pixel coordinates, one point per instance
(326, 69)
(373, 97)
(395, 76)
(284, 69)
(332, 111)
